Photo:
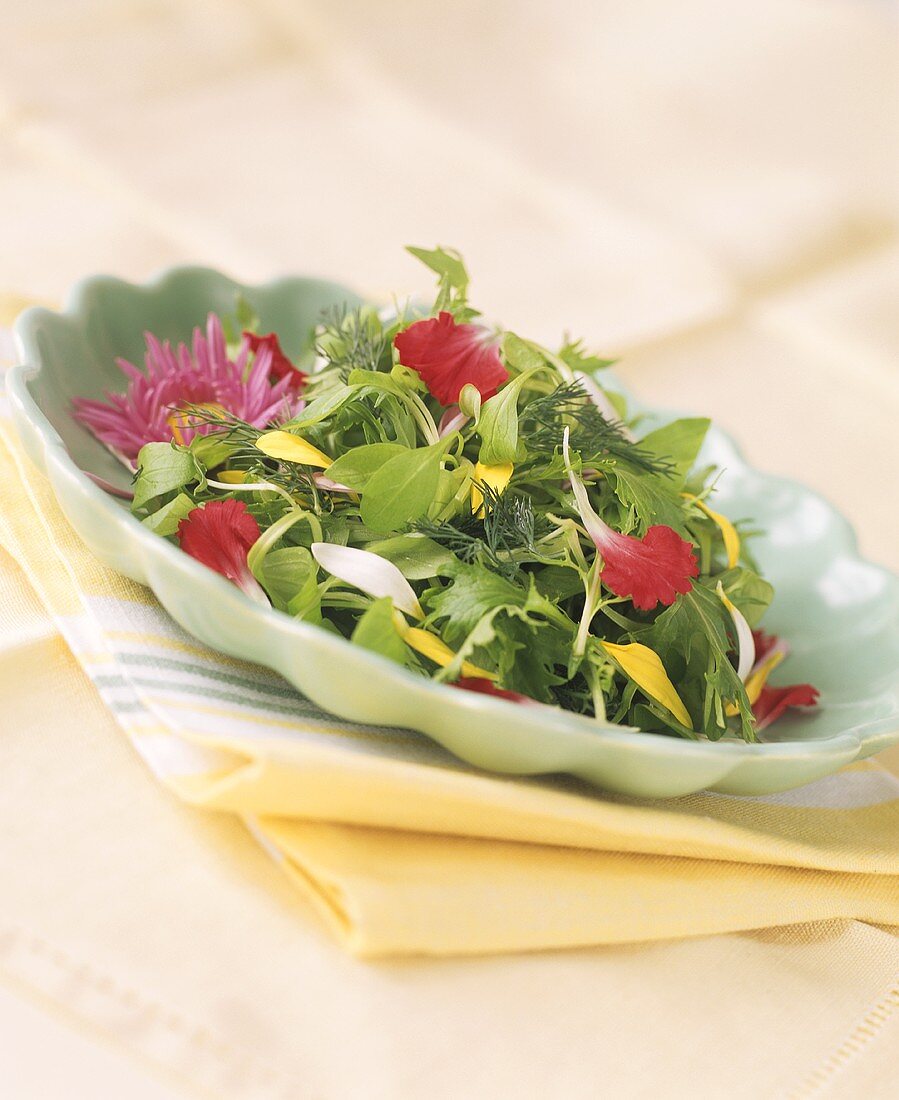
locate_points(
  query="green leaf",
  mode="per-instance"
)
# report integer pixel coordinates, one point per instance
(355, 468)
(692, 637)
(473, 592)
(163, 468)
(401, 490)
(165, 521)
(375, 631)
(678, 442)
(321, 408)
(653, 498)
(417, 557)
(284, 573)
(578, 359)
(211, 450)
(453, 493)
(520, 354)
(498, 424)
(446, 263)
(751, 593)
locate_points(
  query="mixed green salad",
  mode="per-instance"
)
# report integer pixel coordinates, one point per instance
(462, 501)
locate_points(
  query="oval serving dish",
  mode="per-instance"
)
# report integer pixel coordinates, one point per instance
(840, 612)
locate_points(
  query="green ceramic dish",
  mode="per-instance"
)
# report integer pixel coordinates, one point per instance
(841, 613)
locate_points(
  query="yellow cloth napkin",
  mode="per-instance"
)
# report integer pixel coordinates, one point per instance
(404, 849)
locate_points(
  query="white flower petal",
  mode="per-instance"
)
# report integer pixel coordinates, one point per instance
(596, 529)
(745, 640)
(368, 572)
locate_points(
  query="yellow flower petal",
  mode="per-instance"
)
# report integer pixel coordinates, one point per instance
(436, 650)
(645, 668)
(728, 531)
(745, 641)
(232, 477)
(495, 477)
(292, 448)
(759, 678)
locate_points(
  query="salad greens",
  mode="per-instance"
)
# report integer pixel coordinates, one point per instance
(479, 509)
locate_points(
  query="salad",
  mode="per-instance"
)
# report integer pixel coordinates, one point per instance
(460, 500)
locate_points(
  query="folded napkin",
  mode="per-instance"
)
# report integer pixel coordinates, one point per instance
(407, 850)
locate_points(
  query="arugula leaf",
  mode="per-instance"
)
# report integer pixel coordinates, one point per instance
(162, 468)
(375, 631)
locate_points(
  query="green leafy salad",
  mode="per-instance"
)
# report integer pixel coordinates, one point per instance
(462, 501)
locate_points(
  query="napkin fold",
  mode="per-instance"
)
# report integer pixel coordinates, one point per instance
(406, 850)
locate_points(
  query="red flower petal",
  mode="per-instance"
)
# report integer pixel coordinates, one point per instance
(764, 644)
(650, 570)
(773, 701)
(281, 366)
(220, 535)
(449, 356)
(487, 687)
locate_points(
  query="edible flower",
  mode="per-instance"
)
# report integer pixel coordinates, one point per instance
(650, 570)
(378, 577)
(487, 687)
(769, 703)
(644, 666)
(773, 701)
(220, 534)
(281, 366)
(436, 650)
(292, 448)
(368, 572)
(156, 407)
(745, 639)
(728, 531)
(494, 477)
(448, 356)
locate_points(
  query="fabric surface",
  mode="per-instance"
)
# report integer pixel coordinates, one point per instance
(170, 933)
(404, 849)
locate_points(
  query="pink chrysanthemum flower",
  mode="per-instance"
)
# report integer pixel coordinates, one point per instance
(155, 407)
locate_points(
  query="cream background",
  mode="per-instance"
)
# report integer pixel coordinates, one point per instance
(709, 189)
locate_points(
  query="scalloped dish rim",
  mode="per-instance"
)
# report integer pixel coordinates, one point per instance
(518, 741)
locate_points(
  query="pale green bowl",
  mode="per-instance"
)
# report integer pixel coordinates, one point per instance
(840, 613)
